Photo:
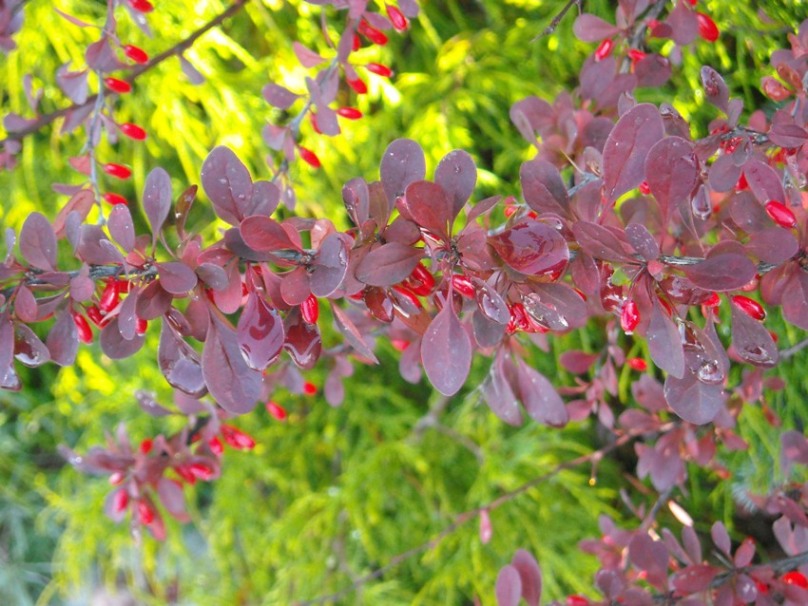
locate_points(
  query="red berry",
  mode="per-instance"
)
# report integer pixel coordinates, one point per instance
(409, 295)
(645, 189)
(310, 309)
(420, 281)
(184, 471)
(371, 33)
(308, 156)
(146, 446)
(712, 301)
(750, 307)
(117, 170)
(357, 43)
(629, 316)
(145, 512)
(314, 126)
(123, 286)
(143, 6)
(201, 470)
(236, 438)
(133, 131)
(117, 85)
(379, 70)
(96, 316)
(276, 410)
(781, 214)
(795, 578)
(397, 18)
(120, 500)
(351, 113)
(464, 286)
(636, 55)
(577, 600)
(135, 53)
(109, 297)
(399, 344)
(358, 85)
(604, 49)
(141, 326)
(215, 446)
(707, 27)
(114, 199)
(84, 330)
(309, 388)
(637, 364)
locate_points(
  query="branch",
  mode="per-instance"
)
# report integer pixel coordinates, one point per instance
(465, 517)
(46, 119)
(559, 16)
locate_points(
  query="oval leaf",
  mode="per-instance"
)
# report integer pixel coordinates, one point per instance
(38, 242)
(388, 264)
(446, 352)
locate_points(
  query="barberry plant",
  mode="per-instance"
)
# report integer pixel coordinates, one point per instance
(674, 239)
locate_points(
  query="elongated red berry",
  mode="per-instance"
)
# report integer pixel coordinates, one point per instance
(637, 364)
(357, 43)
(145, 513)
(276, 410)
(371, 33)
(117, 85)
(397, 18)
(96, 316)
(379, 69)
(135, 53)
(113, 198)
(795, 577)
(464, 286)
(236, 438)
(420, 281)
(141, 326)
(399, 344)
(645, 189)
(781, 214)
(409, 295)
(707, 27)
(117, 170)
(83, 327)
(358, 85)
(315, 127)
(109, 297)
(215, 445)
(351, 113)
(750, 307)
(310, 309)
(133, 131)
(577, 600)
(120, 501)
(712, 301)
(146, 445)
(604, 49)
(308, 156)
(143, 6)
(309, 388)
(201, 470)
(629, 316)
(636, 55)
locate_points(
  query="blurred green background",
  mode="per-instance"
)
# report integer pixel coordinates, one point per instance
(333, 493)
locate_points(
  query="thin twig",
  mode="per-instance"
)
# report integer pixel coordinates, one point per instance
(557, 19)
(178, 48)
(794, 349)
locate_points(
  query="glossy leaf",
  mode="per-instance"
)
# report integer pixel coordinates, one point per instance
(457, 175)
(543, 188)
(157, 198)
(430, 207)
(260, 332)
(114, 345)
(627, 147)
(498, 392)
(176, 277)
(693, 400)
(672, 172)
(532, 248)
(62, 341)
(227, 183)
(38, 242)
(388, 264)
(721, 272)
(231, 382)
(751, 340)
(664, 343)
(530, 575)
(601, 242)
(179, 363)
(539, 397)
(121, 227)
(764, 181)
(403, 163)
(446, 352)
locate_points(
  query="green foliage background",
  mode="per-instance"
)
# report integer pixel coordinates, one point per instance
(333, 493)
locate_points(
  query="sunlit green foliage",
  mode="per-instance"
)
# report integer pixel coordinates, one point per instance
(333, 493)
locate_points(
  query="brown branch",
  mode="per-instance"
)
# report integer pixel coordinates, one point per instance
(46, 119)
(559, 16)
(467, 516)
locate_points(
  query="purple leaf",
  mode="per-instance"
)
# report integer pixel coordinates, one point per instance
(403, 163)
(260, 332)
(643, 242)
(672, 172)
(127, 318)
(227, 183)
(62, 341)
(530, 575)
(351, 333)
(752, 341)
(330, 265)
(446, 351)
(101, 57)
(532, 115)
(532, 248)
(556, 306)
(773, 245)
(429, 206)
(795, 300)
(194, 75)
(150, 406)
(28, 348)
(764, 181)
(693, 400)
(38, 242)
(153, 301)
(307, 57)
(683, 23)
(509, 586)
(388, 264)
(265, 234)
(176, 277)
(73, 84)
(303, 341)
(231, 382)
(173, 499)
(715, 89)
(121, 227)
(577, 362)
(627, 147)
(265, 198)
(157, 199)
(601, 242)
(695, 578)
(114, 345)
(179, 363)
(498, 393)
(723, 271)
(457, 175)
(543, 188)
(539, 397)
(590, 28)
(664, 343)
(721, 539)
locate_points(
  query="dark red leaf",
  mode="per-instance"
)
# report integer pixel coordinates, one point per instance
(721, 272)
(157, 198)
(351, 333)
(265, 234)
(179, 363)
(543, 188)
(260, 332)
(457, 175)
(601, 242)
(672, 172)
(446, 352)
(751, 339)
(153, 301)
(627, 147)
(231, 382)
(693, 400)
(388, 264)
(539, 397)
(498, 393)
(429, 206)
(38, 242)
(403, 163)
(114, 345)
(532, 248)
(227, 183)
(764, 181)
(590, 28)
(62, 341)
(121, 227)
(303, 341)
(176, 277)
(664, 343)
(330, 265)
